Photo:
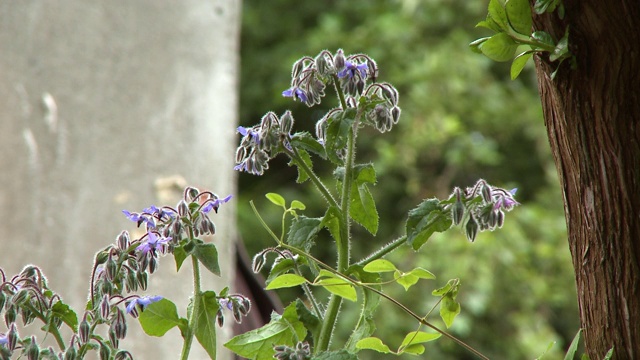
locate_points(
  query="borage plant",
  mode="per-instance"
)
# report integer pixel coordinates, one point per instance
(304, 330)
(120, 272)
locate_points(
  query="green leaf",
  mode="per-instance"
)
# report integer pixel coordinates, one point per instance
(419, 337)
(331, 221)
(286, 281)
(258, 344)
(179, 255)
(415, 349)
(379, 265)
(449, 309)
(336, 285)
(306, 141)
(609, 354)
(160, 317)
(297, 205)
(310, 321)
(277, 199)
(335, 355)
(498, 14)
(337, 134)
(363, 208)
(373, 343)
(205, 330)
(63, 312)
(571, 352)
(282, 266)
(207, 254)
(546, 351)
(422, 273)
(443, 290)
(499, 47)
(543, 37)
(475, 45)
(302, 174)
(366, 324)
(405, 279)
(429, 217)
(519, 16)
(302, 232)
(518, 64)
(562, 48)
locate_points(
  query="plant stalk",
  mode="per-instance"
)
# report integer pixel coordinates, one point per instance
(193, 317)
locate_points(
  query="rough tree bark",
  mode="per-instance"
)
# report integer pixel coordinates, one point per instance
(98, 102)
(592, 114)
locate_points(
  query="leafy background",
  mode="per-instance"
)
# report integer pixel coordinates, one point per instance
(462, 119)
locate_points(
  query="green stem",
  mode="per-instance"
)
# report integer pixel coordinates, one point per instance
(383, 251)
(295, 155)
(193, 317)
(52, 329)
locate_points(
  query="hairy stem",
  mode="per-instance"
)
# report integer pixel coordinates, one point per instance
(193, 317)
(295, 156)
(386, 249)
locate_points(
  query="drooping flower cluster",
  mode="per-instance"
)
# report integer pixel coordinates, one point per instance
(482, 206)
(263, 141)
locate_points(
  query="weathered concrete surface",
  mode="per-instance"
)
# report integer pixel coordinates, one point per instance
(99, 100)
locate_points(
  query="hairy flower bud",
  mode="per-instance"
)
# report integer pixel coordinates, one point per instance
(258, 262)
(339, 60)
(183, 208)
(485, 191)
(112, 337)
(71, 353)
(105, 306)
(33, 351)
(83, 330)
(191, 193)
(124, 240)
(457, 210)
(111, 267)
(143, 279)
(10, 315)
(20, 297)
(395, 114)
(286, 122)
(220, 317)
(471, 229)
(104, 352)
(12, 337)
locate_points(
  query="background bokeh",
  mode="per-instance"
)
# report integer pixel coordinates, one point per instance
(462, 119)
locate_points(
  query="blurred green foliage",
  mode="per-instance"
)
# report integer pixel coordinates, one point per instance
(462, 119)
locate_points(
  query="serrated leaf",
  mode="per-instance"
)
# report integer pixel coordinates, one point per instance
(373, 343)
(277, 199)
(302, 174)
(286, 281)
(205, 330)
(207, 254)
(63, 312)
(571, 352)
(258, 344)
(379, 265)
(339, 287)
(518, 64)
(160, 317)
(302, 232)
(499, 47)
(419, 337)
(331, 221)
(519, 16)
(429, 217)
(297, 205)
(449, 309)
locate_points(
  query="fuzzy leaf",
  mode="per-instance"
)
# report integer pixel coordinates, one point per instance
(160, 317)
(302, 232)
(306, 141)
(363, 208)
(258, 344)
(429, 217)
(331, 221)
(207, 254)
(63, 312)
(205, 330)
(302, 174)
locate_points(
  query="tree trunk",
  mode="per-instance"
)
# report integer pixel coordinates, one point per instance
(592, 114)
(106, 106)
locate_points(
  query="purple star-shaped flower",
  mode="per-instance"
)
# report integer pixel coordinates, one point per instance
(215, 204)
(143, 302)
(4, 340)
(350, 69)
(152, 243)
(296, 93)
(249, 132)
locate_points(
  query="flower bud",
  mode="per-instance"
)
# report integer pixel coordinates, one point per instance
(395, 114)
(105, 307)
(500, 219)
(297, 68)
(104, 352)
(12, 337)
(220, 317)
(71, 353)
(190, 193)
(112, 268)
(471, 229)
(27, 315)
(3, 299)
(485, 190)
(119, 325)
(20, 297)
(10, 315)
(33, 351)
(142, 280)
(131, 281)
(112, 337)
(102, 257)
(123, 355)
(339, 60)
(258, 262)
(183, 209)
(457, 212)
(286, 122)
(83, 330)
(124, 240)
(153, 264)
